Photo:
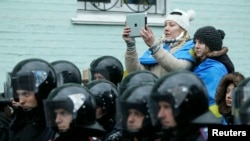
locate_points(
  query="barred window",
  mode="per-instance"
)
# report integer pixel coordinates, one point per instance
(113, 11)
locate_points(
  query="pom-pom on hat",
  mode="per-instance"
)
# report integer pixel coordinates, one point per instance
(181, 18)
(211, 37)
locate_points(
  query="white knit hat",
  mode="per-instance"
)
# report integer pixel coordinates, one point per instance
(181, 18)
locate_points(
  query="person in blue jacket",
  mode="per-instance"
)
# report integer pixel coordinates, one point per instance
(212, 61)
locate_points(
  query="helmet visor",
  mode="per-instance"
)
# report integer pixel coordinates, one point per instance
(58, 113)
(239, 96)
(244, 113)
(29, 81)
(174, 96)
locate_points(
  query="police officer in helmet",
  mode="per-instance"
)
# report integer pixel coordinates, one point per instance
(179, 104)
(70, 112)
(31, 82)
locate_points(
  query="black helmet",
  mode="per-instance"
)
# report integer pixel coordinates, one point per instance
(240, 95)
(67, 72)
(76, 99)
(105, 93)
(187, 96)
(137, 77)
(136, 97)
(110, 67)
(34, 75)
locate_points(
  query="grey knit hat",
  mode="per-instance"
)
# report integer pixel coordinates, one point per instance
(211, 37)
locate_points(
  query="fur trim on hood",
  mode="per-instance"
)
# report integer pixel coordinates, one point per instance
(221, 56)
(218, 53)
(234, 78)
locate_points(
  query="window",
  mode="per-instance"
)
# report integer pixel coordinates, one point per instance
(113, 11)
(105, 1)
(152, 2)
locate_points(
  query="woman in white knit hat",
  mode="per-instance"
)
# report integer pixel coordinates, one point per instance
(173, 51)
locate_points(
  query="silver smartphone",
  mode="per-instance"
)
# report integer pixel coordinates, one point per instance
(136, 21)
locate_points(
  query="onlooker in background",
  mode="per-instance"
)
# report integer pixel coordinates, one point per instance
(173, 51)
(224, 95)
(85, 76)
(212, 61)
(108, 68)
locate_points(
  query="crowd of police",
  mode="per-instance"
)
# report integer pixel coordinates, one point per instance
(48, 101)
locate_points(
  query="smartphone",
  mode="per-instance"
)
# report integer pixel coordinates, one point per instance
(136, 21)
